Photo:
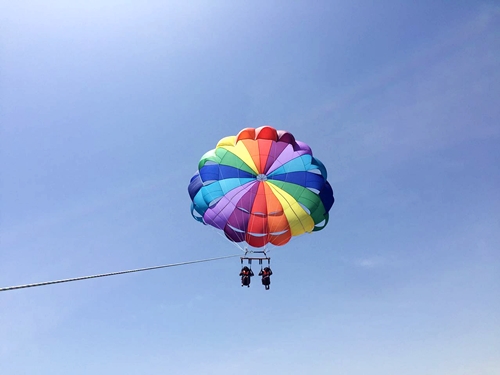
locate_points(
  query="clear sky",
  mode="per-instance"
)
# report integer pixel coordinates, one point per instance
(106, 108)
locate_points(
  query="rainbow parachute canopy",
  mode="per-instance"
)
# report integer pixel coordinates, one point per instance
(261, 186)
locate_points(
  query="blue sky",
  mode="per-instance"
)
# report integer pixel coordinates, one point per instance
(105, 111)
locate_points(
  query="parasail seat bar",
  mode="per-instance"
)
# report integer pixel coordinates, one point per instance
(249, 259)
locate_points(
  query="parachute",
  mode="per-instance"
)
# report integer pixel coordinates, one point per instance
(261, 187)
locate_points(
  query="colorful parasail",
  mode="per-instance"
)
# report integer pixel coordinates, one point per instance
(261, 186)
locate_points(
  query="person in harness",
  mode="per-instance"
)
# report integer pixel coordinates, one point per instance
(246, 273)
(266, 277)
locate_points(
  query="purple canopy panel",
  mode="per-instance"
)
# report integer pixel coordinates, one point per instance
(218, 215)
(303, 146)
(238, 220)
(275, 151)
(285, 156)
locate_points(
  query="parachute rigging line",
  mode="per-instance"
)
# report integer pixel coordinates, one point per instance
(113, 273)
(220, 234)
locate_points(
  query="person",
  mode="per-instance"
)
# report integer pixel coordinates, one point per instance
(246, 273)
(266, 277)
